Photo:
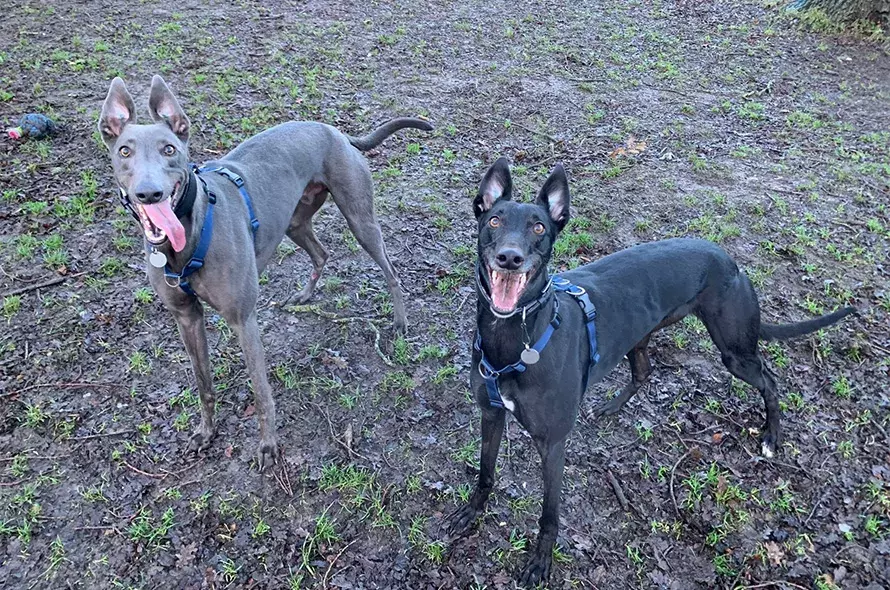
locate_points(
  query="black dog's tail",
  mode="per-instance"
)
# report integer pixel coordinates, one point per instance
(785, 331)
(376, 137)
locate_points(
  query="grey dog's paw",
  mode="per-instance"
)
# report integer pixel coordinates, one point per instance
(199, 441)
(267, 454)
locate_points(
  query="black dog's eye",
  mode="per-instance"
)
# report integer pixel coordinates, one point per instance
(539, 229)
(169, 150)
(494, 222)
(125, 152)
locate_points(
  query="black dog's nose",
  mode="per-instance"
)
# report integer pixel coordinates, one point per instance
(510, 259)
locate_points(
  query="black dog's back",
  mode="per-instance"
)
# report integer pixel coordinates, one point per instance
(637, 289)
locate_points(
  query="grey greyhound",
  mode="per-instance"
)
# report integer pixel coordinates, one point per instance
(584, 322)
(288, 172)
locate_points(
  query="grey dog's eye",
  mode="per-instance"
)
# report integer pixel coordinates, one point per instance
(125, 152)
(169, 150)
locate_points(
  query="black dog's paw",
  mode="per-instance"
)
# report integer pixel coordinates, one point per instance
(461, 521)
(609, 408)
(768, 445)
(536, 570)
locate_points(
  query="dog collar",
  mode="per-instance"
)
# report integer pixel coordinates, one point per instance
(187, 202)
(532, 307)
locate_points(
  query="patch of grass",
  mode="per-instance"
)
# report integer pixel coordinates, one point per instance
(148, 530)
(11, 306)
(841, 387)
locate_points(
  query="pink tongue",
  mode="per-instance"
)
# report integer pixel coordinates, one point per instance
(161, 214)
(505, 291)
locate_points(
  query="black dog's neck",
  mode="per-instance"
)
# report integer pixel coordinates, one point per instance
(504, 338)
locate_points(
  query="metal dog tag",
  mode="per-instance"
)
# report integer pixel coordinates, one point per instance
(530, 356)
(157, 259)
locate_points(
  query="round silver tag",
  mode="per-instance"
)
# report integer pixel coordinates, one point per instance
(530, 356)
(157, 259)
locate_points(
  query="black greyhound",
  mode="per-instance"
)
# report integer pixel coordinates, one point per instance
(540, 339)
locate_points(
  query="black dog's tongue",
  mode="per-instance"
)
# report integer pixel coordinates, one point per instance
(506, 288)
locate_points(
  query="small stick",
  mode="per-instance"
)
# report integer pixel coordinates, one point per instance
(62, 386)
(673, 474)
(48, 283)
(768, 584)
(146, 474)
(101, 435)
(619, 493)
(324, 581)
(10, 483)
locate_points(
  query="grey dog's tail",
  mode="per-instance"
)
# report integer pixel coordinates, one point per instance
(785, 331)
(376, 137)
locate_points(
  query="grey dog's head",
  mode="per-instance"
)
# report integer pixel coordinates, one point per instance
(150, 161)
(516, 239)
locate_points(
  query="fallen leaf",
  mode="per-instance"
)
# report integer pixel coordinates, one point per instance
(631, 147)
(228, 452)
(716, 437)
(774, 553)
(249, 410)
(186, 555)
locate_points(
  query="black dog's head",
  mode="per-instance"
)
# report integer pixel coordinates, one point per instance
(516, 239)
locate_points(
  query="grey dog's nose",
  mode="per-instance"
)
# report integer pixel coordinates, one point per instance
(148, 194)
(510, 259)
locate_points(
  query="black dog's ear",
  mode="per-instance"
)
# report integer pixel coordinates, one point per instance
(554, 197)
(495, 185)
(117, 112)
(165, 108)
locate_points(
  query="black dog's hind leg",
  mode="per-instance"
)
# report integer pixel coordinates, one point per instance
(640, 369)
(750, 369)
(537, 568)
(463, 518)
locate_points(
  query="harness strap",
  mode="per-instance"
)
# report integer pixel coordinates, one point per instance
(238, 182)
(580, 295)
(197, 260)
(490, 375)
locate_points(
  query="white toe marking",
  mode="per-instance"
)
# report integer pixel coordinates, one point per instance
(766, 451)
(509, 404)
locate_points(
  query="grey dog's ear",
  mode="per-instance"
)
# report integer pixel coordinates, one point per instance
(164, 107)
(554, 196)
(117, 112)
(495, 185)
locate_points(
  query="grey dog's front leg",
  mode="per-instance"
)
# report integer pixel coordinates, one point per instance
(190, 320)
(255, 359)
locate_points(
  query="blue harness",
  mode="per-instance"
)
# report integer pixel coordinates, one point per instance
(560, 285)
(196, 262)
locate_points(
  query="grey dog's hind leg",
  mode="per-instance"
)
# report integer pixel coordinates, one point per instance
(354, 196)
(301, 232)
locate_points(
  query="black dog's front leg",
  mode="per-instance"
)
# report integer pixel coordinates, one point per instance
(492, 431)
(553, 457)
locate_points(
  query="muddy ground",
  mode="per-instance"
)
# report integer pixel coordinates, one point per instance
(760, 131)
